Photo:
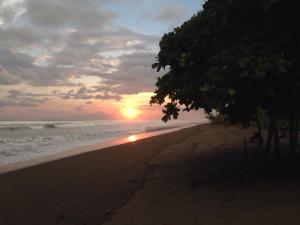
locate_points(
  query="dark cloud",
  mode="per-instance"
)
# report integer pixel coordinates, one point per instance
(23, 99)
(134, 75)
(87, 14)
(20, 37)
(13, 65)
(14, 61)
(85, 93)
(95, 53)
(16, 67)
(6, 78)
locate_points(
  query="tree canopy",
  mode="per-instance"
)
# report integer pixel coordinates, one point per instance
(236, 57)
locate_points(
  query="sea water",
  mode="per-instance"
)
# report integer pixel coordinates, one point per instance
(26, 140)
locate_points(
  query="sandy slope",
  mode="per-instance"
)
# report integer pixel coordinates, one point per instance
(196, 176)
(205, 180)
(84, 189)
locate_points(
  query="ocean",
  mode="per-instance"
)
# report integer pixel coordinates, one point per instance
(28, 140)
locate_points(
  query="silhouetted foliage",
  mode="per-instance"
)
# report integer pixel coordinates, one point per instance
(238, 57)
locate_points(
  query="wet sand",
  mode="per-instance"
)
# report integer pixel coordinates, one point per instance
(83, 189)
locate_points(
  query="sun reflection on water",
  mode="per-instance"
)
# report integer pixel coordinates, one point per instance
(132, 138)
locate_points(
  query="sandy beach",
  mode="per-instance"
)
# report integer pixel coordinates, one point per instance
(195, 176)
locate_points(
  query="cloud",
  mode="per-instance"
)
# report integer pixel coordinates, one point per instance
(21, 37)
(58, 40)
(23, 99)
(52, 43)
(85, 93)
(11, 60)
(12, 66)
(134, 75)
(9, 10)
(80, 51)
(56, 14)
(17, 67)
(6, 78)
(170, 13)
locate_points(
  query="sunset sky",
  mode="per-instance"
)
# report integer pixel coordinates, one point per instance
(83, 59)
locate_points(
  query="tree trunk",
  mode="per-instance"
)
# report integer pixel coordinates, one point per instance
(269, 140)
(260, 140)
(276, 138)
(291, 134)
(296, 131)
(245, 145)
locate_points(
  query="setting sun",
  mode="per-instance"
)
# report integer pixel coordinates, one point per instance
(130, 113)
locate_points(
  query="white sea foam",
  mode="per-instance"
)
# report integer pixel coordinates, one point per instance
(26, 140)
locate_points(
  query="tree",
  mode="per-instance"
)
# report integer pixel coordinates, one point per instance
(233, 58)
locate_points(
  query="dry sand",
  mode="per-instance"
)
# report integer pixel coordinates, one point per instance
(196, 176)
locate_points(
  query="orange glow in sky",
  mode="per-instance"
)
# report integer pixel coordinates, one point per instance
(131, 106)
(130, 112)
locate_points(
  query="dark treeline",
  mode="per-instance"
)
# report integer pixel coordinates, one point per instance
(240, 58)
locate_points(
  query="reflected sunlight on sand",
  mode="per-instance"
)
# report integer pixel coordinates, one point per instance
(132, 138)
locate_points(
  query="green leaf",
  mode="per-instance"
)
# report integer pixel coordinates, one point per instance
(231, 92)
(155, 65)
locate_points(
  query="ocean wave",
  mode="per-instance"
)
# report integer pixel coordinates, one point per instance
(21, 140)
(26, 127)
(14, 128)
(159, 128)
(49, 126)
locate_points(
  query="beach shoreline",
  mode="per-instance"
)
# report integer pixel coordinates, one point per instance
(61, 191)
(87, 148)
(196, 175)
